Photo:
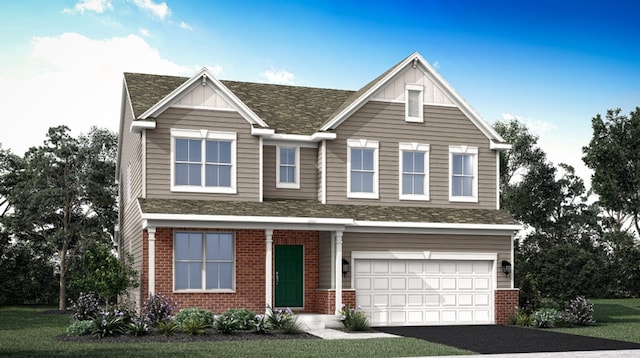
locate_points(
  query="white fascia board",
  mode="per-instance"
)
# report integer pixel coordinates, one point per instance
(255, 219)
(271, 136)
(164, 103)
(424, 255)
(411, 227)
(140, 125)
(262, 132)
(493, 145)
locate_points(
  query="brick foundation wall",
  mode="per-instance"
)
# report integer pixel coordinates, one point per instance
(326, 299)
(506, 304)
(250, 254)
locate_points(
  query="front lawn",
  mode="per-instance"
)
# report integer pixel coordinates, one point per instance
(617, 319)
(26, 332)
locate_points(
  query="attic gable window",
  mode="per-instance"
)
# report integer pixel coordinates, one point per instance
(414, 103)
(203, 161)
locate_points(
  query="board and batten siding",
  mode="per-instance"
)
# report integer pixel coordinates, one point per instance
(130, 182)
(384, 122)
(159, 153)
(424, 242)
(308, 175)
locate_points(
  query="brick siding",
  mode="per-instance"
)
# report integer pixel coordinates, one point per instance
(506, 304)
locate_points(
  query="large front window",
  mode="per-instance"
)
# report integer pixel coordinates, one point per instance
(203, 261)
(203, 161)
(362, 171)
(463, 169)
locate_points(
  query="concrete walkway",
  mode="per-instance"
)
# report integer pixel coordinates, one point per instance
(328, 333)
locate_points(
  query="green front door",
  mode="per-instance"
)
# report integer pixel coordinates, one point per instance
(288, 276)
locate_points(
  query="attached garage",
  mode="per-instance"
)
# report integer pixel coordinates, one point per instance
(424, 288)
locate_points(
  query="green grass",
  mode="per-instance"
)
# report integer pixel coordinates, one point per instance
(617, 319)
(24, 332)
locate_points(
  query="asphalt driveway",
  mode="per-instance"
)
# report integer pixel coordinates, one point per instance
(507, 339)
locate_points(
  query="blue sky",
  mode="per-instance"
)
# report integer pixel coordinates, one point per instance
(552, 64)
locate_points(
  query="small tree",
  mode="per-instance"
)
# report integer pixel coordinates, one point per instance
(99, 270)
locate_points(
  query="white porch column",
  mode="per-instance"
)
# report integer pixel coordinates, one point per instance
(333, 258)
(152, 259)
(338, 271)
(268, 268)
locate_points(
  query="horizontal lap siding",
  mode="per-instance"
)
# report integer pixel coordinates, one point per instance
(308, 175)
(384, 122)
(443, 243)
(159, 152)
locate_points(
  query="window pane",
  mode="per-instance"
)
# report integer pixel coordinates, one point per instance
(182, 275)
(367, 182)
(194, 174)
(418, 184)
(356, 158)
(195, 247)
(456, 186)
(467, 186)
(283, 175)
(194, 151)
(457, 164)
(182, 174)
(212, 151)
(195, 275)
(225, 274)
(414, 103)
(407, 184)
(212, 275)
(212, 244)
(182, 246)
(225, 152)
(367, 159)
(287, 156)
(356, 182)
(226, 247)
(468, 165)
(291, 175)
(211, 175)
(407, 162)
(224, 176)
(419, 162)
(182, 150)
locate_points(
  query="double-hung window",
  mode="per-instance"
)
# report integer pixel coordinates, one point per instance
(414, 103)
(414, 171)
(362, 169)
(463, 173)
(288, 167)
(203, 161)
(203, 261)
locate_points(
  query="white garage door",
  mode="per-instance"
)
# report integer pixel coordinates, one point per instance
(424, 292)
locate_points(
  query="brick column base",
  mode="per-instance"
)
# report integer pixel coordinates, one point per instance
(506, 304)
(326, 300)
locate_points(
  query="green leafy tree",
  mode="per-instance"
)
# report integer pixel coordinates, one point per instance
(61, 194)
(97, 269)
(614, 155)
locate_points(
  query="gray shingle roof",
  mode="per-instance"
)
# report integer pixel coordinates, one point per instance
(286, 109)
(314, 209)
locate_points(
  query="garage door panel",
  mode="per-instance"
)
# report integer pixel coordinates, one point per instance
(423, 292)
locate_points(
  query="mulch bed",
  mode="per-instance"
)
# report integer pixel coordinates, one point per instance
(507, 339)
(155, 337)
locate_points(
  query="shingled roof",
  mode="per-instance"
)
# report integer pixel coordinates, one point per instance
(286, 109)
(315, 209)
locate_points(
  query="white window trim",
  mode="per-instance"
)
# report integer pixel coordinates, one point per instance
(420, 88)
(204, 273)
(414, 147)
(463, 149)
(363, 144)
(296, 184)
(204, 134)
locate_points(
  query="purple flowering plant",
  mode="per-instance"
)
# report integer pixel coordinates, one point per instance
(354, 319)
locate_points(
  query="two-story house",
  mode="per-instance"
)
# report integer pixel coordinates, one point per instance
(237, 194)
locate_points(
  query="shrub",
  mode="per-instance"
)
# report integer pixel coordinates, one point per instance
(291, 325)
(523, 319)
(158, 308)
(261, 324)
(200, 314)
(194, 326)
(227, 323)
(168, 328)
(546, 317)
(278, 318)
(138, 326)
(80, 328)
(354, 319)
(244, 316)
(109, 323)
(86, 307)
(581, 311)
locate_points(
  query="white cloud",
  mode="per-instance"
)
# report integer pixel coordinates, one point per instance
(436, 65)
(97, 6)
(159, 10)
(184, 25)
(539, 127)
(145, 32)
(282, 77)
(73, 80)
